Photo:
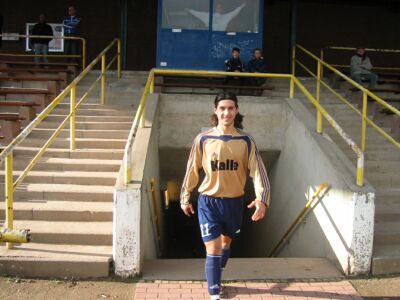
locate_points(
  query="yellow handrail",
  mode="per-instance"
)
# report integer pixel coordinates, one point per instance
(7, 153)
(83, 41)
(149, 88)
(318, 195)
(323, 50)
(366, 93)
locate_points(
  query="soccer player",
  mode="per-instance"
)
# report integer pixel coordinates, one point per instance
(226, 155)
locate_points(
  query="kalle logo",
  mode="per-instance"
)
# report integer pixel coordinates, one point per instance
(228, 165)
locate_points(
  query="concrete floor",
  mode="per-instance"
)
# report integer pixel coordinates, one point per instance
(243, 269)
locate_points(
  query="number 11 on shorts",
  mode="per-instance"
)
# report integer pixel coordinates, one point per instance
(205, 230)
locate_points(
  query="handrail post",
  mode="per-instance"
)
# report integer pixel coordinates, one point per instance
(83, 54)
(364, 121)
(127, 168)
(293, 70)
(103, 79)
(9, 193)
(72, 121)
(152, 85)
(319, 115)
(322, 58)
(360, 170)
(119, 58)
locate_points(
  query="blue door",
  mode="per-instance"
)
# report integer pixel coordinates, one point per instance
(199, 34)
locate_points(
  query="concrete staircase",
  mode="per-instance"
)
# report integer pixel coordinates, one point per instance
(67, 199)
(382, 165)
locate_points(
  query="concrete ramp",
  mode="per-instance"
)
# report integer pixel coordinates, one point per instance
(243, 269)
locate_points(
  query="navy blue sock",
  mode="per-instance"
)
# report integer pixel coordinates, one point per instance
(226, 252)
(213, 274)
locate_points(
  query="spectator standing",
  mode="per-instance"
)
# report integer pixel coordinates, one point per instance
(361, 68)
(41, 45)
(71, 29)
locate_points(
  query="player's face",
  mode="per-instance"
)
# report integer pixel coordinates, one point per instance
(226, 112)
(257, 54)
(235, 54)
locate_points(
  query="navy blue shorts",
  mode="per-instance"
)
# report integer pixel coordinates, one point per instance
(219, 216)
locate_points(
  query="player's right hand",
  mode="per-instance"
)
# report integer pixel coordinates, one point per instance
(187, 209)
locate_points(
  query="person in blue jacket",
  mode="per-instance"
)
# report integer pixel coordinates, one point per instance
(71, 28)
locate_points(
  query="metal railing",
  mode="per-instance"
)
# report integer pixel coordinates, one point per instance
(81, 39)
(353, 49)
(7, 153)
(149, 88)
(365, 120)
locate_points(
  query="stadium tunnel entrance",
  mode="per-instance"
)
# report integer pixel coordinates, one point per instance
(152, 235)
(182, 237)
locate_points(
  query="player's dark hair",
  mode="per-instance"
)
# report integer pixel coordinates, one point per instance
(227, 96)
(235, 49)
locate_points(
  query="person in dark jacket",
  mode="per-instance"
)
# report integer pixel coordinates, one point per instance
(41, 45)
(234, 64)
(257, 65)
(71, 26)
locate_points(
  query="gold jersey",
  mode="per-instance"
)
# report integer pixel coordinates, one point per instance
(226, 161)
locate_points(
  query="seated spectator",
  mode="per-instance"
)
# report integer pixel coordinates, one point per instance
(257, 65)
(361, 68)
(234, 64)
(41, 45)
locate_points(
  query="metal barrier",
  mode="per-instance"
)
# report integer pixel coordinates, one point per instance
(365, 92)
(81, 39)
(149, 88)
(323, 50)
(7, 153)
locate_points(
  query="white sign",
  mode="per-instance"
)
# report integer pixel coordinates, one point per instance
(55, 45)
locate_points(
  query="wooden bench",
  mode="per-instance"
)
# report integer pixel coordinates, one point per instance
(26, 110)
(65, 74)
(61, 82)
(53, 85)
(40, 96)
(385, 90)
(159, 83)
(69, 66)
(10, 126)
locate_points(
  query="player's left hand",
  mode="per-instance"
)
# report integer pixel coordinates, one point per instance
(260, 210)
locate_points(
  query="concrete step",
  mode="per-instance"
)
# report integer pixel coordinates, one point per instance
(103, 154)
(386, 259)
(69, 164)
(284, 268)
(384, 180)
(387, 233)
(55, 261)
(93, 125)
(383, 166)
(79, 133)
(71, 233)
(67, 177)
(387, 212)
(62, 192)
(78, 211)
(93, 143)
(388, 195)
(82, 118)
(99, 112)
